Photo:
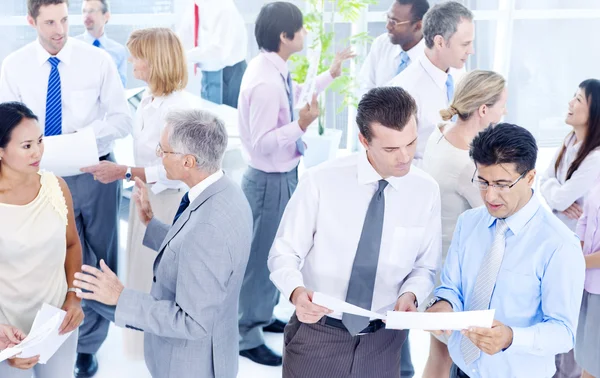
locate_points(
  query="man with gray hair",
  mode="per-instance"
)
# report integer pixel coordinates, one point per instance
(190, 317)
(448, 31)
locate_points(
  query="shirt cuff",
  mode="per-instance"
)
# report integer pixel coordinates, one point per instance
(152, 174)
(290, 133)
(289, 283)
(451, 297)
(414, 288)
(523, 340)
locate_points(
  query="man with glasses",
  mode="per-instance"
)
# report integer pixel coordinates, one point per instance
(393, 51)
(515, 257)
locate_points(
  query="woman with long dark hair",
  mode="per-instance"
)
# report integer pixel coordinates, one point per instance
(573, 173)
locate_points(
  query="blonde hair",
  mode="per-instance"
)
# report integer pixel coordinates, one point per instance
(161, 48)
(475, 89)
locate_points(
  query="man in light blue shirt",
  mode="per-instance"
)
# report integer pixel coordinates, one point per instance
(513, 256)
(96, 14)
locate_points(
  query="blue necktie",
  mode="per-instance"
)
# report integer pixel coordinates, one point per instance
(53, 101)
(185, 202)
(290, 93)
(96, 43)
(450, 88)
(404, 61)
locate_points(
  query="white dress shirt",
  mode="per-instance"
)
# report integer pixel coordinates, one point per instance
(197, 189)
(381, 65)
(222, 35)
(561, 193)
(92, 93)
(319, 233)
(427, 84)
(149, 124)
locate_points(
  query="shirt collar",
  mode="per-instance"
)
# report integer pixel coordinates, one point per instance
(197, 189)
(415, 53)
(278, 62)
(438, 76)
(90, 38)
(64, 55)
(368, 175)
(570, 143)
(518, 221)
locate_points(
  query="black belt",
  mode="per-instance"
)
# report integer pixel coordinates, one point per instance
(374, 325)
(105, 157)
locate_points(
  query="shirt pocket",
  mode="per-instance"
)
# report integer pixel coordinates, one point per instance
(83, 103)
(519, 294)
(406, 243)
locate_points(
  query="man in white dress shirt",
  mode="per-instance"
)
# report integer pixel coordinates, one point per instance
(364, 229)
(393, 51)
(96, 14)
(448, 31)
(71, 85)
(214, 31)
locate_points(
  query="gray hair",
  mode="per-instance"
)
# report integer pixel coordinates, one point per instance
(199, 133)
(443, 19)
(105, 6)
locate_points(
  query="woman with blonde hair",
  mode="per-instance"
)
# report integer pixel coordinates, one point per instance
(158, 58)
(479, 101)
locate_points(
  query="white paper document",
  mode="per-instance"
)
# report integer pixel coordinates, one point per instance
(43, 339)
(339, 306)
(433, 321)
(65, 155)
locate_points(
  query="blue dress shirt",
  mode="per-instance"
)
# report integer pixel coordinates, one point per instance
(538, 291)
(116, 50)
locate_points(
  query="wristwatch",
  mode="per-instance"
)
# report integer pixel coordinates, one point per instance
(435, 300)
(128, 174)
(73, 290)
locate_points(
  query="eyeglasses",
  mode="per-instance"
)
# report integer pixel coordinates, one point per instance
(160, 152)
(393, 22)
(502, 188)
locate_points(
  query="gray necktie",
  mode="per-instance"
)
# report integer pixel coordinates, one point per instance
(364, 269)
(484, 286)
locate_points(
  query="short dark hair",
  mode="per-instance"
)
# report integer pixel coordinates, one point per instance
(443, 19)
(390, 106)
(418, 8)
(104, 3)
(274, 19)
(505, 143)
(33, 6)
(11, 115)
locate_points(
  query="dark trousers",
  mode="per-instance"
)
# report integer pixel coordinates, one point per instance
(96, 210)
(223, 86)
(321, 350)
(455, 372)
(407, 369)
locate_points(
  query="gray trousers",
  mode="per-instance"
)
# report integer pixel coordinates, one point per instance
(96, 209)
(566, 367)
(223, 86)
(320, 350)
(268, 195)
(60, 365)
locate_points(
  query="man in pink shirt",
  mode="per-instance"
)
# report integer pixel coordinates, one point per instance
(272, 141)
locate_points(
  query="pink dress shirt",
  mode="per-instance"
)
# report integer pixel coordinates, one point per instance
(267, 133)
(588, 230)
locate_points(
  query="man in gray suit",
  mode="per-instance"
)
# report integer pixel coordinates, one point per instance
(190, 316)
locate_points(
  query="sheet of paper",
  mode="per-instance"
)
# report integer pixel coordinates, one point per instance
(433, 321)
(340, 306)
(310, 84)
(40, 330)
(65, 155)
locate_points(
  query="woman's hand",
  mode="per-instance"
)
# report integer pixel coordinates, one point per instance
(74, 315)
(10, 336)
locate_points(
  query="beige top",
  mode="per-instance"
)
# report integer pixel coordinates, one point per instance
(453, 169)
(33, 248)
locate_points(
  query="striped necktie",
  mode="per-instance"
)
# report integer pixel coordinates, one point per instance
(290, 93)
(484, 286)
(53, 101)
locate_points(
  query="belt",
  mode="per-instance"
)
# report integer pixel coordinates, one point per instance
(374, 325)
(105, 157)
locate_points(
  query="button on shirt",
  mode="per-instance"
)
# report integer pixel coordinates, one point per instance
(588, 230)
(427, 84)
(117, 51)
(381, 65)
(149, 124)
(92, 93)
(318, 236)
(561, 193)
(537, 292)
(267, 133)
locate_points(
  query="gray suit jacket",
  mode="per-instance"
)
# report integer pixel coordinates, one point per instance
(190, 317)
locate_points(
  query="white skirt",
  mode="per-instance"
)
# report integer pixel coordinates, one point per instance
(140, 259)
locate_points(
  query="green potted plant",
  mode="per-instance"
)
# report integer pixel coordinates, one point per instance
(323, 142)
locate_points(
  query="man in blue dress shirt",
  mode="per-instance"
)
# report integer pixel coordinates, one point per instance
(513, 256)
(96, 14)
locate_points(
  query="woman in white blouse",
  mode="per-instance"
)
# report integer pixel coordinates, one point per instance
(480, 100)
(158, 59)
(572, 174)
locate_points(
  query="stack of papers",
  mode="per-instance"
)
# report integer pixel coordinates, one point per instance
(428, 321)
(66, 154)
(43, 340)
